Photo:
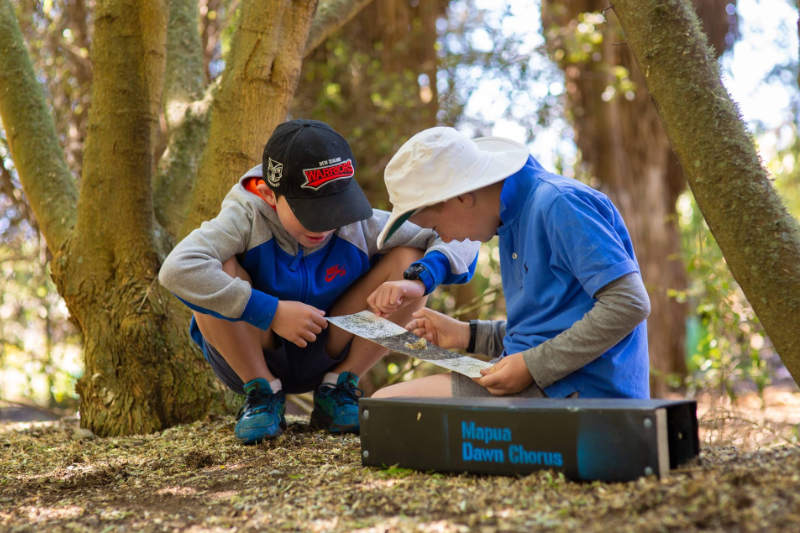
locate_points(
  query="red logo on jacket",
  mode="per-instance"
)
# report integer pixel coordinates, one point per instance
(334, 271)
(317, 177)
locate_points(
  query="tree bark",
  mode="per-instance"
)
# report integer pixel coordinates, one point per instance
(138, 377)
(758, 237)
(263, 66)
(186, 115)
(331, 15)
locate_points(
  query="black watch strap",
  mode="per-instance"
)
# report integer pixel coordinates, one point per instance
(473, 332)
(414, 271)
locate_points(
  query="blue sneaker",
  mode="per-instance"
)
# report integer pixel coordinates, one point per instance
(261, 416)
(336, 406)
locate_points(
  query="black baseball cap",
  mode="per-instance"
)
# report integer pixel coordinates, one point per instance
(312, 166)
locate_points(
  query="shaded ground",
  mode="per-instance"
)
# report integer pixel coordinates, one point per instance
(55, 476)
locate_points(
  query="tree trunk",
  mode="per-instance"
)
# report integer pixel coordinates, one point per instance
(625, 148)
(758, 237)
(387, 47)
(185, 115)
(136, 379)
(141, 372)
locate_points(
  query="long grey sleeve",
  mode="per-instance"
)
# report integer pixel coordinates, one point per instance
(489, 337)
(621, 306)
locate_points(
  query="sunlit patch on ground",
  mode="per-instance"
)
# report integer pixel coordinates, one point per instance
(36, 514)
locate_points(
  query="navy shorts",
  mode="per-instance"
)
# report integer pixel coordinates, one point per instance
(299, 369)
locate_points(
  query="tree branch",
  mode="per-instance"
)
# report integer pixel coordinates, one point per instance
(758, 237)
(186, 113)
(330, 16)
(261, 73)
(32, 138)
(128, 55)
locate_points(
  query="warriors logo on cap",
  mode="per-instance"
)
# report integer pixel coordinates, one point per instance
(312, 166)
(274, 172)
(328, 172)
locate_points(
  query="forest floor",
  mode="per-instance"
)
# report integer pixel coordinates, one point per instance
(55, 476)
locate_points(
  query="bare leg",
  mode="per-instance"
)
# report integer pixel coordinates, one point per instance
(436, 386)
(364, 354)
(241, 344)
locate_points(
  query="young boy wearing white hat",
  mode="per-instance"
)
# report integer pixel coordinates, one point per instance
(574, 296)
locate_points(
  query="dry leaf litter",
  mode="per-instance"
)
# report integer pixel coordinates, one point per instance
(55, 476)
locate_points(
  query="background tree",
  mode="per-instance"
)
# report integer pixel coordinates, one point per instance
(381, 65)
(758, 237)
(626, 153)
(141, 373)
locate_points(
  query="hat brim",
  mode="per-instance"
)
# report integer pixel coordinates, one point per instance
(393, 224)
(504, 157)
(325, 213)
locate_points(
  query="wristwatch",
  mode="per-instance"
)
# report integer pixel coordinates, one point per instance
(473, 333)
(414, 271)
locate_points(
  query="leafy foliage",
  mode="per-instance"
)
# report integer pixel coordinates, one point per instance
(724, 340)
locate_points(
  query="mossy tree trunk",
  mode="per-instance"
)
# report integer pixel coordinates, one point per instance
(141, 373)
(759, 239)
(624, 147)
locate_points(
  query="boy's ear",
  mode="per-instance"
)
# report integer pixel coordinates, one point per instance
(267, 194)
(468, 199)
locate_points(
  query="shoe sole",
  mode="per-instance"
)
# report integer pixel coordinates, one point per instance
(256, 440)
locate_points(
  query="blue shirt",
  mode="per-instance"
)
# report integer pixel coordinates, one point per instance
(560, 242)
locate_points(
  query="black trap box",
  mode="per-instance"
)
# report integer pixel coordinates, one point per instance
(585, 439)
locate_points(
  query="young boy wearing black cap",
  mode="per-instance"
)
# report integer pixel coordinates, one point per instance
(295, 240)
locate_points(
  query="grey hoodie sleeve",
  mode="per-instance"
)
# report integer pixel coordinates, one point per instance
(193, 269)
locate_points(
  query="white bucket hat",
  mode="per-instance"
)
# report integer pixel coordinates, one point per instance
(441, 163)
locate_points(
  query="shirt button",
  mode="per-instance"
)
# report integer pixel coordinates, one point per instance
(514, 255)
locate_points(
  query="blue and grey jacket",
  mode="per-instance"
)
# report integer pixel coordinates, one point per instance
(248, 228)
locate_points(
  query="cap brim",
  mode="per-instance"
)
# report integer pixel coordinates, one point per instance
(325, 213)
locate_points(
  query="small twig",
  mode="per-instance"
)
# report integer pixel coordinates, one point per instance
(476, 302)
(300, 402)
(146, 294)
(722, 421)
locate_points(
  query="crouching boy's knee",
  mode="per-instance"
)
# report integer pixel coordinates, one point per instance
(232, 268)
(398, 259)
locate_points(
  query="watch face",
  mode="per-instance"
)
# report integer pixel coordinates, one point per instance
(413, 271)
